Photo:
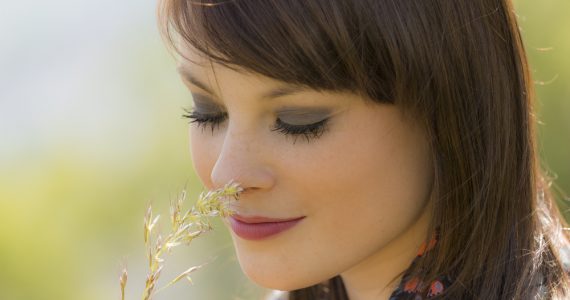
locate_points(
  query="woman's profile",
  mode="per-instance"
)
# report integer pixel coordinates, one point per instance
(387, 148)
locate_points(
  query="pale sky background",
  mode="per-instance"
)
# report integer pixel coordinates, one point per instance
(64, 64)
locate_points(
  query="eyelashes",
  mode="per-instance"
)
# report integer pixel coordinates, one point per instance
(204, 120)
(213, 121)
(309, 131)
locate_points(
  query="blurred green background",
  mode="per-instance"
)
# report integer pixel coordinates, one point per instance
(90, 133)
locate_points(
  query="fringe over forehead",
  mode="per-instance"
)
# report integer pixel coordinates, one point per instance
(357, 46)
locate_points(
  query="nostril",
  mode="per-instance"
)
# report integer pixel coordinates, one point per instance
(247, 190)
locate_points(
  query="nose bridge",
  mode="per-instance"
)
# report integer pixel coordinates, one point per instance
(240, 160)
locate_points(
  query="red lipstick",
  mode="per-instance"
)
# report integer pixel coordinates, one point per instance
(257, 228)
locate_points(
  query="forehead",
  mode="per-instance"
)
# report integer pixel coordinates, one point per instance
(193, 63)
(217, 79)
(202, 71)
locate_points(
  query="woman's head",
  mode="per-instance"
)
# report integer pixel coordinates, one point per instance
(428, 110)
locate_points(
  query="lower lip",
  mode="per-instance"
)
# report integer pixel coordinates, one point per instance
(259, 231)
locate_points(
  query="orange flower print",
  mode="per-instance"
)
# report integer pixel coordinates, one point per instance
(435, 288)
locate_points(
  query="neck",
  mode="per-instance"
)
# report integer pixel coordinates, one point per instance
(379, 275)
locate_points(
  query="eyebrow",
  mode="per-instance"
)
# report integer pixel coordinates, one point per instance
(285, 90)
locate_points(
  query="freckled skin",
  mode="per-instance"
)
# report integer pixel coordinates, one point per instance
(364, 185)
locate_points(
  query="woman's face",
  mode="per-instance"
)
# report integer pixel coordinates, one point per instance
(361, 181)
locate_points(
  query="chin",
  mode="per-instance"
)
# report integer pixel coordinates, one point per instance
(278, 283)
(283, 281)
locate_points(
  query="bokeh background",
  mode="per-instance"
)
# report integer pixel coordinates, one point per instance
(91, 133)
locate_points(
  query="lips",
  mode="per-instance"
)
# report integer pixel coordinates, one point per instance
(258, 228)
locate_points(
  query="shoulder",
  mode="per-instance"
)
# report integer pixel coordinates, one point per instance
(277, 295)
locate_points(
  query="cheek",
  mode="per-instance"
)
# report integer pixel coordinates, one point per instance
(375, 167)
(204, 151)
(389, 179)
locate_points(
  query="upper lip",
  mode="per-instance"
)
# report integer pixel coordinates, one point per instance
(261, 219)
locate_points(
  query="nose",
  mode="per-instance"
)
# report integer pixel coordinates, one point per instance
(242, 158)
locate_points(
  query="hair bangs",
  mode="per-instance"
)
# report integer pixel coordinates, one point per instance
(319, 44)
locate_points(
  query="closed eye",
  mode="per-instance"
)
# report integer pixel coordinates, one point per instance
(308, 131)
(203, 120)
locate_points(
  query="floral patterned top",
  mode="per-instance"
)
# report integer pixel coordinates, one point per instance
(411, 287)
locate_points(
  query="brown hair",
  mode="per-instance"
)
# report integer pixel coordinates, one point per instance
(457, 66)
